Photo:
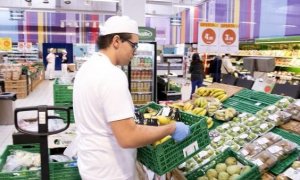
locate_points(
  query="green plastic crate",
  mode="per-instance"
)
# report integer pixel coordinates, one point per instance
(241, 106)
(253, 174)
(62, 93)
(251, 102)
(168, 155)
(63, 114)
(58, 170)
(287, 135)
(259, 96)
(282, 165)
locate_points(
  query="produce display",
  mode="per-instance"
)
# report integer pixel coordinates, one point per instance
(280, 117)
(245, 138)
(226, 127)
(231, 169)
(262, 128)
(284, 102)
(213, 92)
(267, 111)
(264, 160)
(294, 109)
(282, 148)
(220, 140)
(236, 130)
(225, 114)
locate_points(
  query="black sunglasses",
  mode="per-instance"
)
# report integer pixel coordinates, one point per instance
(132, 44)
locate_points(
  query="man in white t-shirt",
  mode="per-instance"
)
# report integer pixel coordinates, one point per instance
(51, 64)
(107, 134)
(227, 67)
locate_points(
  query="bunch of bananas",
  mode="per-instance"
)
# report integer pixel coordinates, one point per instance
(201, 102)
(225, 114)
(213, 107)
(188, 107)
(214, 92)
(199, 111)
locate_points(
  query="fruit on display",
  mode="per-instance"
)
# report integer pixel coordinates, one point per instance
(226, 126)
(205, 155)
(188, 166)
(178, 105)
(209, 122)
(282, 148)
(236, 130)
(200, 102)
(231, 169)
(219, 141)
(267, 140)
(264, 160)
(284, 102)
(265, 112)
(225, 114)
(250, 150)
(213, 107)
(245, 138)
(294, 109)
(188, 106)
(242, 117)
(199, 111)
(262, 128)
(296, 165)
(280, 117)
(251, 121)
(214, 92)
(234, 146)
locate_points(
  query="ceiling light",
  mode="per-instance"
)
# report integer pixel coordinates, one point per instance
(288, 25)
(248, 22)
(182, 6)
(116, 1)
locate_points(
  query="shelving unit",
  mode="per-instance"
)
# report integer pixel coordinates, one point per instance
(16, 55)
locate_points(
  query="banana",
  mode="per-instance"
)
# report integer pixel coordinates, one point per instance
(163, 120)
(218, 93)
(197, 110)
(209, 120)
(202, 113)
(147, 115)
(223, 98)
(187, 106)
(210, 125)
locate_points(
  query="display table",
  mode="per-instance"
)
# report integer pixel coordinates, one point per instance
(7, 107)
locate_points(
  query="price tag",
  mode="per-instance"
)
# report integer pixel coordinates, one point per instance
(258, 162)
(262, 140)
(166, 111)
(275, 149)
(244, 152)
(203, 154)
(271, 108)
(292, 173)
(297, 103)
(251, 119)
(243, 136)
(243, 115)
(217, 139)
(236, 129)
(70, 87)
(257, 104)
(225, 126)
(273, 117)
(190, 149)
(264, 126)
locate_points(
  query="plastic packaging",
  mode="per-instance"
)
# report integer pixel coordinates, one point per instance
(280, 117)
(282, 148)
(245, 138)
(236, 130)
(267, 140)
(262, 128)
(226, 126)
(264, 160)
(284, 102)
(250, 150)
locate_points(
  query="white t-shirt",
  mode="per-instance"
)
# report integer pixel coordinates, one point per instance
(100, 96)
(51, 58)
(227, 66)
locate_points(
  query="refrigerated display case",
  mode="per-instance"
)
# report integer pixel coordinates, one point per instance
(142, 74)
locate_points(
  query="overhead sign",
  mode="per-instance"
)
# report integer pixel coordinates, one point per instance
(208, 37)
(147, 34)
(229, 38)
(5, 44)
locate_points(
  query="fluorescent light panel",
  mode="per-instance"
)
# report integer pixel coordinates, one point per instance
(106, 0)
(182, 6)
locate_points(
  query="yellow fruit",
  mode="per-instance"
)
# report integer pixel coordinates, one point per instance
(209, 120)
(210, 125)
(165, 139)
(163, 120)
(218, 93)
(202, 113)
(223, 98)
(147, 115)
(156, 143)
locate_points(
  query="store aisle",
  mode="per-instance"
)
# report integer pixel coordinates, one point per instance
(42, 95)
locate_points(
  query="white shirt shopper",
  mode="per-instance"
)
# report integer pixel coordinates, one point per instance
(51, 64)
(103, 108)
(227, 66)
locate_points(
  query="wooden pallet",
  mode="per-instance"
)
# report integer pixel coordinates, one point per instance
(15, 84)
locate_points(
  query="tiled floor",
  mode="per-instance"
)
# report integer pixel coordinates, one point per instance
(42, 95)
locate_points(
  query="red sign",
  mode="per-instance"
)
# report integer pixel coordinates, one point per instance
(229, 36)
(208, 36)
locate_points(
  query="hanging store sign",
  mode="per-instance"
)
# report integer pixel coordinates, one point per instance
(208, 37)
(229, 38)
(147, 34)
(5, 44)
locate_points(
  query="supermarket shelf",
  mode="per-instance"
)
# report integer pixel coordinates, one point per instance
(287, 57)
(141, 80)
(141, 68)
(141, 92)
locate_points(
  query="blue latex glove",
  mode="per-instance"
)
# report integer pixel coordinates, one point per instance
(181, 131)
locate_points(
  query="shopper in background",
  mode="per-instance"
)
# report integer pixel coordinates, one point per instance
(227, 67)
(215, 68)
(197, 72)
(64, 60)
(107, 135)
(50, 64)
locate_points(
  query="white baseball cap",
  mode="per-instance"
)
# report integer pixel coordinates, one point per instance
(119, 24)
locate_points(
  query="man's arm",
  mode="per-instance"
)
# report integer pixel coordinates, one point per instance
(131, 135)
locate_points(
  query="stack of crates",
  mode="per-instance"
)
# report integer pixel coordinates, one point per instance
(19, 87)
(63, 96)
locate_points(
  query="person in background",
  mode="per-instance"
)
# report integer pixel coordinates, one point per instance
(107, 135)
(64, 60)
(50, 64)
(197, 72)
(215, 68)
(227, 67)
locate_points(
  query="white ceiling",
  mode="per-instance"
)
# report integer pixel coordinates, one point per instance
(153, 7)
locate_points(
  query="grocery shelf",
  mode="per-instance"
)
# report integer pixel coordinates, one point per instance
(141, 92)
(141, 80)
(141, 68)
